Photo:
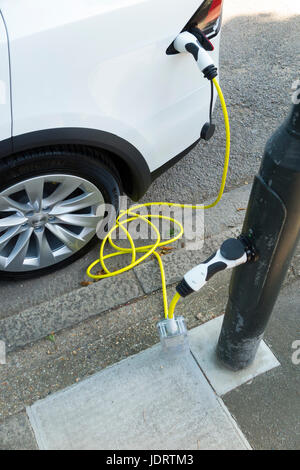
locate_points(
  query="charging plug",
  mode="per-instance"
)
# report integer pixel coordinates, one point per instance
(232, 253)
(188, 42)
(173, 335)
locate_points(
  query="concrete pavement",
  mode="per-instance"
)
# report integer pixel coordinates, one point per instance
(262, 413)
(149, 401)
(88, 341)
(268, 408)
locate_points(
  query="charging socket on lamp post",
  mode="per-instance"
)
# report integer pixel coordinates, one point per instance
(173, 335)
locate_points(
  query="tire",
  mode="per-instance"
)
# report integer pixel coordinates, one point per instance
(51, 203)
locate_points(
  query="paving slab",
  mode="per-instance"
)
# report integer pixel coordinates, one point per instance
(203, 343)
(16, 433)
(268, 407)
(149, 401)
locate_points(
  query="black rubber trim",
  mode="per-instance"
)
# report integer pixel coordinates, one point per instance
(204, 41)
(193, 49)
(210, 72)
(209, 128)
(184, 289)
(159, 171)
(140, 176)
(214, 269)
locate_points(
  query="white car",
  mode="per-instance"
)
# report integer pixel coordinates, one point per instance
(94, 102)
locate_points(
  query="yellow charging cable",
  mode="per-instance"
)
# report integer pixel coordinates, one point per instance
(130, 215)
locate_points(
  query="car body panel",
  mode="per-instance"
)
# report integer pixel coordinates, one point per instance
(5, 102)
(102, 64)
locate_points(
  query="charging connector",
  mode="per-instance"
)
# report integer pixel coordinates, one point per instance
(233, 252)
(188, 42)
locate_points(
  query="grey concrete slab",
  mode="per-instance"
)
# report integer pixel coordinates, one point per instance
(16, 433)
(268, 408)
(43, 367)
(203, 342)
(149, 401)
(69, 309)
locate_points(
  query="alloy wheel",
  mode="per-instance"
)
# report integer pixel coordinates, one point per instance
(46, 219)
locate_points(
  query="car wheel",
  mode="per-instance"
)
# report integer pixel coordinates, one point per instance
(52, 202)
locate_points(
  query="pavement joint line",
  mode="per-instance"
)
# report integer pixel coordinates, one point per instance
(232, 417)
(138, 280)
(205, 375)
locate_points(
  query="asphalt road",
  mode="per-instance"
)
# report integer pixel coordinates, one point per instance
(259, 61)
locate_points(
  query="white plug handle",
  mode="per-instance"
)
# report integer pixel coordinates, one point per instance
(201, 274)
(187, 42)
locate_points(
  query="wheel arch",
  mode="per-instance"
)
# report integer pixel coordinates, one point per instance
(130, 163)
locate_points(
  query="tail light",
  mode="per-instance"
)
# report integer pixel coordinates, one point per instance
(207, 18)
